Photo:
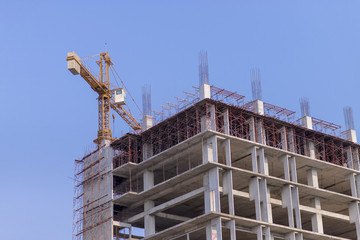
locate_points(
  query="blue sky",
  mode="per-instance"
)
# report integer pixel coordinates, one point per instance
(49, 117)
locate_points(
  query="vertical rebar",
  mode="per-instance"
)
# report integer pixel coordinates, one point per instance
(305, 107)
(256, 84)
(203, 68)
(146, 99)
(349, 118)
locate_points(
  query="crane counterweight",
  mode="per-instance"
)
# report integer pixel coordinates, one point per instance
(73, 63)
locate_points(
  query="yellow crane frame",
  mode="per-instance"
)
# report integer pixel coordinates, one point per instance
(105, 99)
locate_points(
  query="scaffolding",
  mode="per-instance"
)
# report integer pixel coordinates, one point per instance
(96, 186)
(278, 131)
(92, 211)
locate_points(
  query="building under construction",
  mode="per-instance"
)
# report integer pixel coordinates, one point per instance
(219, 167)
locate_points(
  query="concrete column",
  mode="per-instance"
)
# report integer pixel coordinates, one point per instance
(228, 188)
(254, 159)
(263, 162)
(147, 122)
(256, 126)
(354, 213)
(290, 236)
(352, 160)
(149, 220)
(213, 230)
(296, 206)
(293, 236)
(349, 159)
(209, 122)
(293, 172)
(295, 195)
(355, 185)
(259, 107)
(212, 118)
(212, 191)
(226, 144)
(209, 150)
(291, 140)
(205, 91)
(290, 195)
(260, 131)
(147, 151)
(284, 139)
(287, 202)
(311, 147)
(356, 158)
(266, 211)
(260, 192)
(211, 178)
(263, 233)
(147, 148)
(316, 218)
(354, 208)
(351, 135)
(226, 122)
(148, 178)
(148, 181)
(252, 129)
(312, 177)
(204, 123)
(306, 122)
(231, 226)
(259, 234)
(254, 191)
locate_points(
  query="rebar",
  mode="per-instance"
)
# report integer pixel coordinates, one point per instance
(203, 68)
(146, 99)
(305, 107)
(256, 84)
(349, 118)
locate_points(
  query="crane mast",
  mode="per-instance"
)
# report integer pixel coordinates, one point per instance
(104, 131)
(105, 99)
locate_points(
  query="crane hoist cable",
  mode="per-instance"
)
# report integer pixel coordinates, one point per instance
(123, 84)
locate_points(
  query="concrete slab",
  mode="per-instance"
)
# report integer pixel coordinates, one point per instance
(129, 199)
(240, 222)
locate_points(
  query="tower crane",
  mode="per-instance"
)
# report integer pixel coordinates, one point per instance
(108, 98)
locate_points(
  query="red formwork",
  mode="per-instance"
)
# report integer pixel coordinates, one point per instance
(269, 130)
(127, 149)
